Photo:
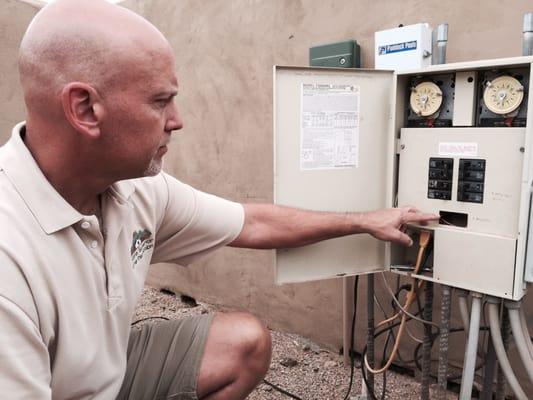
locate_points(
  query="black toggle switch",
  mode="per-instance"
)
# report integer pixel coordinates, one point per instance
(471, 180)
(440, 178)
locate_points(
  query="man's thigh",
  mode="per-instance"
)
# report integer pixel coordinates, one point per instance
(164, 359)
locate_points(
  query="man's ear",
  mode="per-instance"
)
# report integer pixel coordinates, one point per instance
(83, 108)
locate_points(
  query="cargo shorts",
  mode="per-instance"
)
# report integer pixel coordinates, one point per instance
(164, 359)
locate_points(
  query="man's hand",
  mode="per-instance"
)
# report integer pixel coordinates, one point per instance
(389, 224)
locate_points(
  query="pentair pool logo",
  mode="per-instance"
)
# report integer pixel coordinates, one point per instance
(397, 47)
(142, 241)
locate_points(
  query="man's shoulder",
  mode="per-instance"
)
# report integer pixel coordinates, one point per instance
(17, 222)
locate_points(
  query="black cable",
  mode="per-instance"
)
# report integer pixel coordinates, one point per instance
(146, 319)
(363, 372)
(351, 351)
(352, 346)
(390, 331)
(293, 396)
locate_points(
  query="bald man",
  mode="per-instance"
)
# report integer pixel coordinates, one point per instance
(86, 209)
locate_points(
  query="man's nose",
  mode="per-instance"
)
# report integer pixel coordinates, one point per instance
(174, 121)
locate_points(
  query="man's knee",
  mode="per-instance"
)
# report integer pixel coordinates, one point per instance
(255, 337)
(251, 339)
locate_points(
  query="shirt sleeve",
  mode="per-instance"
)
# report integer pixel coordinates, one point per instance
(24, 361)
(194, 223)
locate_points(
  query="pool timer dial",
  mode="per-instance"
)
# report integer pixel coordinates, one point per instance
(425, 99)
(503, 95)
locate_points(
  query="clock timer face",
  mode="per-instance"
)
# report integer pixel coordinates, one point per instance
(503, 95)
(425, 99)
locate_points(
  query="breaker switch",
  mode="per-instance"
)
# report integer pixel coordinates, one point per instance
(471, 187)
(472, 175)
(440, 194)
(471, 180)
(440, 178)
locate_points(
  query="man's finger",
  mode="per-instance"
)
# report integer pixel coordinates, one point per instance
(419, 217)
(403, 239)
(410, 209)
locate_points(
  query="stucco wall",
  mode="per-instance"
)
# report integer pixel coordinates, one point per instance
(225, 50)
(14, 18)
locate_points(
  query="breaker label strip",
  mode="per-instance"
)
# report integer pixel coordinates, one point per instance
(456, 149)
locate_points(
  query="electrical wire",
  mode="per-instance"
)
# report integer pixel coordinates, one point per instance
(388, 330)
(281, 390)
(147, 319)
(351, 352)
(403, 309)
(352, 346)
(395, 295)
(376, 300)
(425, 236)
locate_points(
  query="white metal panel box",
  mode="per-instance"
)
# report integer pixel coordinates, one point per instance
(359, 140)
(403, 48)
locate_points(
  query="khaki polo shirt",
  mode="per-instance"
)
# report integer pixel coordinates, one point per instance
(68, 289)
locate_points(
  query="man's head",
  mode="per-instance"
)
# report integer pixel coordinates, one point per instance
(99, 83)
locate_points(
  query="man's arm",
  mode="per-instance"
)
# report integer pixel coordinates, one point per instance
(25, 364)
(268, 226)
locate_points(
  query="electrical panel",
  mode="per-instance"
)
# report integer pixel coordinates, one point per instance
(454, 140)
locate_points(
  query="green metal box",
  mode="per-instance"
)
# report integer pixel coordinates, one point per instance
(341, 54)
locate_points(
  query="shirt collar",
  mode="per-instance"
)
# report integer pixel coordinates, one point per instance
(49, 208)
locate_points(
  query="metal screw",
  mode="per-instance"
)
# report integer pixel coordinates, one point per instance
(402, 146)
(342, 61)
(522, 149)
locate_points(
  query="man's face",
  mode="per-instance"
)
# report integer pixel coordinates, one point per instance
(140, 116)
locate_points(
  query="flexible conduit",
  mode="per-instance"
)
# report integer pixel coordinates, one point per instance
(495, 333)
(518, 334)
(469, 367)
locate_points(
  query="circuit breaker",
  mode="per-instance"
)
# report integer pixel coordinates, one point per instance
(440, 178)
(453, 140)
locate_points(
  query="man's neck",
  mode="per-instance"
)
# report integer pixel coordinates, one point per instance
(70, 177)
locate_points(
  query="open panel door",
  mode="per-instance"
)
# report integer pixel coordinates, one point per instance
(334, 150)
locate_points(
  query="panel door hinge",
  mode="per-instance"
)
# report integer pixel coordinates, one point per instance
(398, 146)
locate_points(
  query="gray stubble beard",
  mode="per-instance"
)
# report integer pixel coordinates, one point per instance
(153, 168)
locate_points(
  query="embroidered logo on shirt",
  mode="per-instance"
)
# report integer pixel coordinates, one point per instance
(142, 241)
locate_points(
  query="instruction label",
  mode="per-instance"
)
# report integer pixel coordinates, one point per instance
(329, 137)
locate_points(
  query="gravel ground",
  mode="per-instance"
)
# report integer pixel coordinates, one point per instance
(298, 365)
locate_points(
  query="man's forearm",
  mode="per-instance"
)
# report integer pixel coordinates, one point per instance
(269, 226)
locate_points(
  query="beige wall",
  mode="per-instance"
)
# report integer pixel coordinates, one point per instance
(14, 18)
(225, 50)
